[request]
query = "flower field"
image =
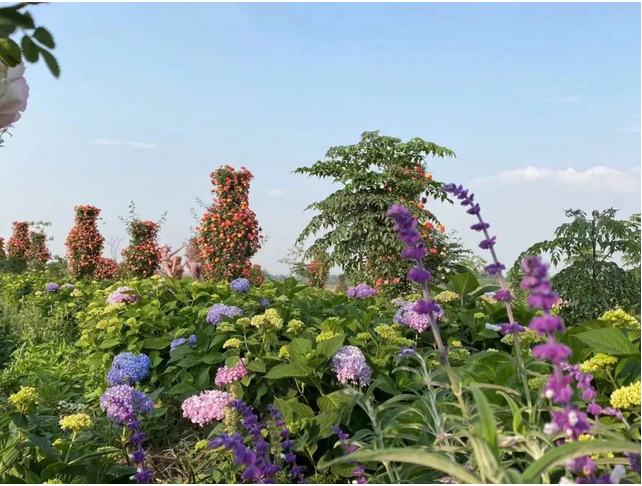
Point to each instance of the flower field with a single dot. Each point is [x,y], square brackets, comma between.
[179,380]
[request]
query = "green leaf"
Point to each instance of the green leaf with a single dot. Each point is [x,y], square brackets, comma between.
[609,341]
[182,388]
[19,19]
[331,346]
[156,343]
[412,455]
[6,27]
[486,421]
[203,379]
[563,453]
[29,49]
[109,343]
[43,36]
[43,444]
[336,400]
[51,62]
[291,370]
[299,348]
[301,409]
[257,365]
[285,409]
[464,283]
[89,455]
[325,420]
[10,53]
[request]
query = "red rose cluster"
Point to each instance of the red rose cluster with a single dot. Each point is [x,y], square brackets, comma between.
[142,256]
[84,243]
[18,245]
[229,233]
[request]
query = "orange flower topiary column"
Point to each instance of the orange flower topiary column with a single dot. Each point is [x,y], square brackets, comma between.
[18,244]
[84,243]
[229,233]
[142,256]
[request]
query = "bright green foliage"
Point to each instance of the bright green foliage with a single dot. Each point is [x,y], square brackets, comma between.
[36,41]
[374,174]
[592,281]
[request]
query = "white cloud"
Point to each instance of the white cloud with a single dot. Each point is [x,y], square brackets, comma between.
[106,141]
[600,178]
[275,193]
[141,145]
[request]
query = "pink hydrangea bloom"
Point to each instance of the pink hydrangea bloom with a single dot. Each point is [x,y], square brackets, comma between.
[118,297]
[225,375]
[206,407]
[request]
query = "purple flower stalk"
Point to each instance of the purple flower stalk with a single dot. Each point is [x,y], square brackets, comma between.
[297,472]
[405,227]
[359,471]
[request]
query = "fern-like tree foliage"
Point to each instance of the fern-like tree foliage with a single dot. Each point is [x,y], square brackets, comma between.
[590,248]
[374,174]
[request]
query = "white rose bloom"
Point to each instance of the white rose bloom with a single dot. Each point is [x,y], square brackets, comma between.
[14,92]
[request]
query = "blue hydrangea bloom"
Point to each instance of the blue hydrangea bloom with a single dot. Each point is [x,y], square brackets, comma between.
[52,287]
[192,340]
[180,341]
[240,285]
[128,369]
[264,302]
[214,315]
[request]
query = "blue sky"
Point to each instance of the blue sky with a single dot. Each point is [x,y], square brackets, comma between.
[541,103]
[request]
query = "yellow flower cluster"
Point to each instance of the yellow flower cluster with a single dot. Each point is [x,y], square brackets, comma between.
[457,356]
[269,320]
[626,396]
[446,296]
[538,382]
[325,336]
[233,343]
[295,326]
[619,318]
[284,352]
[526,338]
[24,398]
[76,422]
[363,336]
[385,331]
[201,445]
[599,362]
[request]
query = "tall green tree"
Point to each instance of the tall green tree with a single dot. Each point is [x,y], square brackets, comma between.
[591,281]
[374,174]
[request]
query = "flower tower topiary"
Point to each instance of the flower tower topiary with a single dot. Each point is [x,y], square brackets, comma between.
[84,243]
[38,254]
[229,234]
[107,269]
[18,244]
[142,256]
[3,254]
[255,275]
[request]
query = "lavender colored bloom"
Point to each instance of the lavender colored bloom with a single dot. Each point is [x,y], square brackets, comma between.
[240,285]
[52,287]
[359,471]
[558,388]
[419,275]
[571,422]
[634,462]
[127,369]
[403,352]
[122,295]
[494,268]
[503,296]
[552,351]
[584,465]
[506,329]
[121,402]
[488,243]
[547,324]
[480,226]
[475,209]
[350,365]
[217,311]
[264,302]
[414,253]
[180,341]
[297,472]
[594,409]
[407,316]
[361,291]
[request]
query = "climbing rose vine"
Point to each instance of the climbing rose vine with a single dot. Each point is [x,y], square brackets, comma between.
[229,233]
[85,243]
[142,256]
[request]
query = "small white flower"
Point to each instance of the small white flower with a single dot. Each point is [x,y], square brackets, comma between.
[493,327]
[551,428]
[14,92]
[549,394]
[565,480]
[573,418]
